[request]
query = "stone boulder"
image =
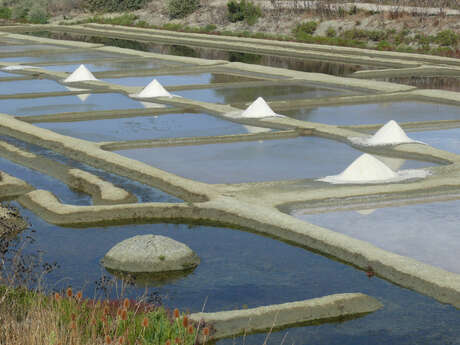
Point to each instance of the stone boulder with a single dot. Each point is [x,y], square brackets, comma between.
[150,254]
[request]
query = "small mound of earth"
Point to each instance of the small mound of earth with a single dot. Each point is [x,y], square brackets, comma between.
[150,253]
[11,221]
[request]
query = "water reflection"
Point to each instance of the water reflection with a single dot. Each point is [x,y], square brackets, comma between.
[440,83]
[305,65]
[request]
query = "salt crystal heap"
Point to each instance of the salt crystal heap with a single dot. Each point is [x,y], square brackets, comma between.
[390,134]
[259,109]
[153,89]
[80,74]
[365,169]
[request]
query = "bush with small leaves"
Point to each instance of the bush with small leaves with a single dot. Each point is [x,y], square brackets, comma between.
[37,15]
[243,10]
[182,8]
[331,32]
[447,38]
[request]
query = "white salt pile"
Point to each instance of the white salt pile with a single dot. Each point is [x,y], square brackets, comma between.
[259,109]
[364,169]
[80,74]
[17,67]
[153,89]
[83,97]
[390,134]
[368,169]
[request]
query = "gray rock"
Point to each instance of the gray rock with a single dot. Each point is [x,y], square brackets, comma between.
[150,253]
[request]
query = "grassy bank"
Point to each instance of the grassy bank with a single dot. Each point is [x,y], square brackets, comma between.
[33,318]
[444,43]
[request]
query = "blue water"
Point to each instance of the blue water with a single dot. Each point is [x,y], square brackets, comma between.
[377,113]
[250,94]
[143,192]
[447,139]
[299,158]
[29,86]
[107,66]
[147,127]
[183,79]
[61,57]
[64,104]
[240,269]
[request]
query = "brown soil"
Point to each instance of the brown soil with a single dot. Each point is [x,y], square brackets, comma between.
[283,21]
[11,222]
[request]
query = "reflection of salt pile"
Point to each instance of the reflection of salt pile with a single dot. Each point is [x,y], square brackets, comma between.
[148,105]
[80,74]
[259,109]
[17,67]
[83,97]
[390,134]
[394,163]
[366,212]
[254,130]
[154,89]
[365,168]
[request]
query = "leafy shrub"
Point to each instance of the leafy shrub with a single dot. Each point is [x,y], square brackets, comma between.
[307,28]
[20,12]
[125,19]
[173,26]
[384,45]
[5,13]
[376,35]
[243,10]
[447,38]
[209,28]
[182,8]
[113,5]
[331,32]
[37,15]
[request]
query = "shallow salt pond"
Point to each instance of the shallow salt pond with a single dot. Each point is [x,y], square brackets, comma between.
[27,47]
[432,82]
[143,192]
[255,161]
[8,75]
[60,57]
[30,86]
[109,65]
[426,232]
[446,139]
[66,104]
[376,113]
[148,127]
[249,94]
[46,182]
[240,269]
[182,79]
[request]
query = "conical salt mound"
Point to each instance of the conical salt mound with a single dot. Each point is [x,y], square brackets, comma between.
[154,89]
[391,133]
[80,74]
[258,109]
[366,168]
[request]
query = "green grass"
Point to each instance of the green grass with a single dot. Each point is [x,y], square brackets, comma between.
[70,318]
